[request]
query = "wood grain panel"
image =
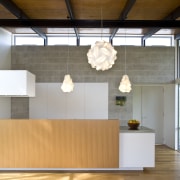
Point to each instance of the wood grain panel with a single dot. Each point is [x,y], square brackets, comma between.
[59,143]
[152,10]
[167,168]
[106,9]
[53,9]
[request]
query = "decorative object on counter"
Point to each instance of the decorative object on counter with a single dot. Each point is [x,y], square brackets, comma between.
[67,85]
[120,100]
[125,84]
[133,124]
[102,54]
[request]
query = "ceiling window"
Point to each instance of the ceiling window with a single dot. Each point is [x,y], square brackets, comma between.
[21,40]
[61,41]
[160,41]
[87,41]
[130,40]
[28,40]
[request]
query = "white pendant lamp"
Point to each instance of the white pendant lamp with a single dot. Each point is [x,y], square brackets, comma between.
[102,55]
[125,84]
[67,85]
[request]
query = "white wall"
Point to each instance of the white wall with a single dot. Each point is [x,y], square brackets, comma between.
[169,115]
[167,127]
[5,49]
[5,63]
[148,107]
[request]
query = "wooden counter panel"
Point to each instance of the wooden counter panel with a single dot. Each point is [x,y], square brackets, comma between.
[59,143]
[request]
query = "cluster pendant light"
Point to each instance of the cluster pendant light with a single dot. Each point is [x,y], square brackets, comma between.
[125,84]
[67,85]
[102,54]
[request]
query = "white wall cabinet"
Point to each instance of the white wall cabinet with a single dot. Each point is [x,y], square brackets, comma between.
[17,83]
[87,101]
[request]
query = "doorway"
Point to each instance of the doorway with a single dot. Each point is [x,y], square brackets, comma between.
[148,107]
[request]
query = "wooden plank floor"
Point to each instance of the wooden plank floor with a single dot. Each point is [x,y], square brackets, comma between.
[167,168]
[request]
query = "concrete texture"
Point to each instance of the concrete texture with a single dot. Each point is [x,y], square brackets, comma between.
[145,65]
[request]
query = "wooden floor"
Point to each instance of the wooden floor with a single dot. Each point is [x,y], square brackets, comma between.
[167,168]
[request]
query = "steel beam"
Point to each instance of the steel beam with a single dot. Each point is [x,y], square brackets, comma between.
[172,16]
[16,11]
[69,8]
[89,23]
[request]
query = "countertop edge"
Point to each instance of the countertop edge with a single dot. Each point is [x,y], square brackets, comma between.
[141,129]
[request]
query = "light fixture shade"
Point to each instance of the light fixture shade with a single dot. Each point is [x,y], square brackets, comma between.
[101,55]
[67,85]
[125,84]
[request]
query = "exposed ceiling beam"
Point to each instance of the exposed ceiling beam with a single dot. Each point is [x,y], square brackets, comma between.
[69,8]
[14,9]
[123,16]
[89,23]
[172,16]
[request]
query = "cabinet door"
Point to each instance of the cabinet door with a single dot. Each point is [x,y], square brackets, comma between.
[148,107]
[87,101]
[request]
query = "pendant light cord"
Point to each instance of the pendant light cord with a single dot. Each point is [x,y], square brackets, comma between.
[125,53]
[67,62]
[101,21]
[68,53]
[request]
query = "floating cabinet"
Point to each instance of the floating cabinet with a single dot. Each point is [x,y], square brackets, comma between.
[17,83]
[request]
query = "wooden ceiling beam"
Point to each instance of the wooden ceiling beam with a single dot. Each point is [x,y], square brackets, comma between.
[47,23]
[69,8]
[16,11]
[172,16]
[123,16]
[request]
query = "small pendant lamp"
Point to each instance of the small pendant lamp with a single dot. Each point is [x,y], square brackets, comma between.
[67,85]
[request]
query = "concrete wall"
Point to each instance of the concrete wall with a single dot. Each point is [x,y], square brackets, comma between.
[49,64]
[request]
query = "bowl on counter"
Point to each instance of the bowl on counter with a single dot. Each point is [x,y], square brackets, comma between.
[133,124]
